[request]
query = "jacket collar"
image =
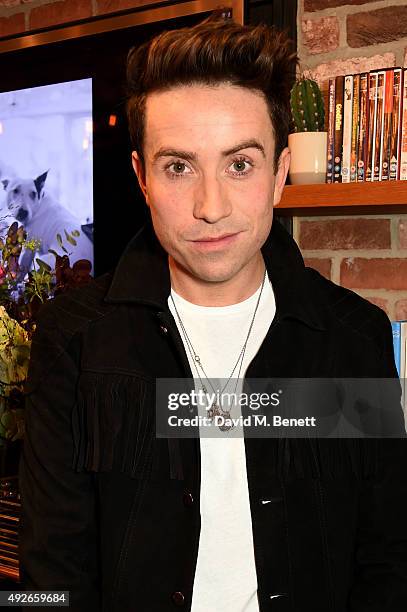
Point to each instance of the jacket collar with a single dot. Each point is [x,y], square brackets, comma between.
[142,276]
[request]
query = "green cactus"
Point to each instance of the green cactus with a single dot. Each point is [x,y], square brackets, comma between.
[307,106]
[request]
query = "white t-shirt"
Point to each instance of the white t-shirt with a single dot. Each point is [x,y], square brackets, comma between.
[225,577]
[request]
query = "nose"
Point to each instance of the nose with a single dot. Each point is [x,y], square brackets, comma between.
[21,215]
[211,204]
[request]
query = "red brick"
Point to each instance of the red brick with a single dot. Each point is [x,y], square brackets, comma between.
[12,25]
[401,310]
[326,70]
[322,35]
[59,12]
[379,26]
[323,265]
[352,233]
[110,6]
[374,273]
[402,230]
[319,5]
[8,3]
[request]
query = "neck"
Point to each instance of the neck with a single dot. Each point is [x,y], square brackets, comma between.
[218,293]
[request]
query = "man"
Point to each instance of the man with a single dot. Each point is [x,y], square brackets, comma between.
[211,288]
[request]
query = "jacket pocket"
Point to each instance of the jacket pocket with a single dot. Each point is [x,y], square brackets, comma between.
[113,423]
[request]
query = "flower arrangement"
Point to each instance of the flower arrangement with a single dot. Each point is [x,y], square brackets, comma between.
[22,294]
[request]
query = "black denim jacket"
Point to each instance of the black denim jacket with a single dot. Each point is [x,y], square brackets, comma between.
[111,513]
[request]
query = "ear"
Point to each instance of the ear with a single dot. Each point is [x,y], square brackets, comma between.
[138,169]
[5,183]
[281,176]
[39,182]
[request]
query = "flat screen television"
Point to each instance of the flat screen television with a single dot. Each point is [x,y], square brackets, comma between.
[64,140]
[46,167]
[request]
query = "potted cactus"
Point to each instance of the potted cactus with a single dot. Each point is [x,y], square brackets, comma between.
[308,143]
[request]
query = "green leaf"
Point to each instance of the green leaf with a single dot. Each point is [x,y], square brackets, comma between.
[69,238]
[43,265]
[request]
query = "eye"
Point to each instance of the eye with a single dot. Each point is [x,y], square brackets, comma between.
[178,165]
[33,195]
[238,161]
[16,190]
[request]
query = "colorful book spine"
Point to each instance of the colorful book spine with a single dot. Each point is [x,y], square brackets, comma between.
[363,126]
[371,125]
[403,153]
[355,129]
[386,132]
[396,327]
[367,127]
[403,339]
[339,91]
[347,128]
[331,131]
[396,121]
[377,152]
[403,366]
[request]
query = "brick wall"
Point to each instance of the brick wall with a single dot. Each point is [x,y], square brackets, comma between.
[366,253]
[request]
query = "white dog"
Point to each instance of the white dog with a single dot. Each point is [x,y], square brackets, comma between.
[6,219]
[43,218]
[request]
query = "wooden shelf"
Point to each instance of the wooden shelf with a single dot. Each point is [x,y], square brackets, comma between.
[380,197]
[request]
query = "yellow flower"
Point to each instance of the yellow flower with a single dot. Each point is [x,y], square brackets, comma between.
[15,347]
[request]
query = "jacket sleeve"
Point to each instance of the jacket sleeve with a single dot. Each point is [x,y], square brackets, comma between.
[380,576]
[58,526]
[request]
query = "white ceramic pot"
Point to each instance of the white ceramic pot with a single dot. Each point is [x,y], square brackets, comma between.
[308,157]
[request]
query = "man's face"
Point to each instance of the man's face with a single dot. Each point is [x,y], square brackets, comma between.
[211,208]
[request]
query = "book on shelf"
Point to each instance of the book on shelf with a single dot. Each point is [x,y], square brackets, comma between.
[386,134]
[378,148]
[399,329]
[403,152]
[330,136]
[367,126]
[347,129]
[338,131]
[396,328]
[371,124]
[396,124]
[363,120]
[355,129]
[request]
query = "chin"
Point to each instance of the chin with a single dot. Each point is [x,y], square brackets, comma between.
[212,274]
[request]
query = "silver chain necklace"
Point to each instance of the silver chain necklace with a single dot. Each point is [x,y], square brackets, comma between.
[216,409]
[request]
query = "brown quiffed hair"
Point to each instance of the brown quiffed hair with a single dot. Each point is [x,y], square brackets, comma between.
[215,51]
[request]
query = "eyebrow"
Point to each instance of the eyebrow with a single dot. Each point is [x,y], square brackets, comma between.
[251,143]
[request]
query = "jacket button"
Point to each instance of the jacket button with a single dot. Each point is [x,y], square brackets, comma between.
[164,329]
[188,499]
[178,598]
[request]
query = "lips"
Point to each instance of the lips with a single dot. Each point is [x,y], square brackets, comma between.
[216,238]
[210,243]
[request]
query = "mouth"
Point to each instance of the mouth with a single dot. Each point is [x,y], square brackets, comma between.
[210,242]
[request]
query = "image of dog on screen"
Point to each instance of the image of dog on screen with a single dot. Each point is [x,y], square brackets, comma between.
[44,218]
[6,219]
